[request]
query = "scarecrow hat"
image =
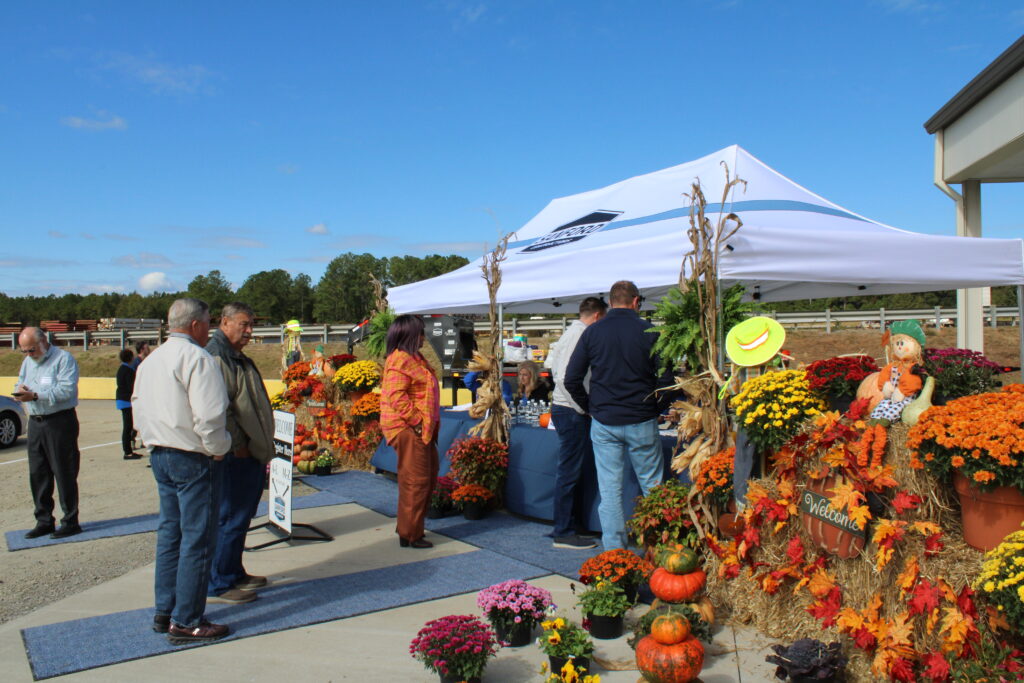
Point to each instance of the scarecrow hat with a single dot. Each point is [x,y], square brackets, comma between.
[293,326]
[911,328]
[755,341]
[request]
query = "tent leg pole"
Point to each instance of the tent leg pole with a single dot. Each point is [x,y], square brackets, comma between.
[1020,324]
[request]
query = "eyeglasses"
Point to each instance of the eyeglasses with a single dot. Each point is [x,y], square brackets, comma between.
[28,351]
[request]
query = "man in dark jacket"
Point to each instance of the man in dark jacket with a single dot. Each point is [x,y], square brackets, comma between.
[250,421]
[622,402]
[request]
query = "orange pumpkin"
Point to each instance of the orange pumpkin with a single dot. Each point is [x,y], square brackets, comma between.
[543,419]
[670,628]
[869,389]
[676,587]
[679,663]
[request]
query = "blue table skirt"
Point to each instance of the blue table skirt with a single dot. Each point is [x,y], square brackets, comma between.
[532,461]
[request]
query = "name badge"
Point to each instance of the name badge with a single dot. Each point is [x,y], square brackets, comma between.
[45,381]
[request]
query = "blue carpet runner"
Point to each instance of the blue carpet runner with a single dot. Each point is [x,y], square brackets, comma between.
[70,646]
[126,526]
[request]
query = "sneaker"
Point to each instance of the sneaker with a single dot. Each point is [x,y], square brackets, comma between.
[574,542]
[233,596]
[250,582]
[161,622]
[39,530]
[204,633]
[66,530]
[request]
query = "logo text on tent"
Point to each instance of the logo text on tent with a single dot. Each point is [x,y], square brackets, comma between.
[574,231]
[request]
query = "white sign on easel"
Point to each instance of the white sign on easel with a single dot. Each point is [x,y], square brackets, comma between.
[280,489]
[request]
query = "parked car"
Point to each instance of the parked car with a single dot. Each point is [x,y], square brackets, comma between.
[13,422]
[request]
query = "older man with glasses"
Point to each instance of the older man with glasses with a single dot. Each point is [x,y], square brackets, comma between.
[48,387]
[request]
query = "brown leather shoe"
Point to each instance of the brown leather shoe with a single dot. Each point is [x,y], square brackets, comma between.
[204,633]
[233,596]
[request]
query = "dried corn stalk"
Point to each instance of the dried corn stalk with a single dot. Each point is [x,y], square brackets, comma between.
[495,424]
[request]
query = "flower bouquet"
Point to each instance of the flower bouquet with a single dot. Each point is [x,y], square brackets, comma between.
[772,408]
[714,478]
[473,499]
[514,607]
[603,605]
[960,372]
[361,375]
[441,498]
[457,646]
[661,517]
[481,461]
[619,566]
[839,376]
[564,641]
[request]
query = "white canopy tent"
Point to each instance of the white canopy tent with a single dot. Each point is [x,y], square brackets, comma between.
[793,245]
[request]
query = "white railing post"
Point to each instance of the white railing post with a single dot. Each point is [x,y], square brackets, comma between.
[828,321]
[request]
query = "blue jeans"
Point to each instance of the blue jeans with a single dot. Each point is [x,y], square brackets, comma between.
[575,449]
[240,492]
[185,539]
[612,445]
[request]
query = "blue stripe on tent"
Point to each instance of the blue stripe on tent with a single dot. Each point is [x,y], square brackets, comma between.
[126,526]
[735,207]
[80,644]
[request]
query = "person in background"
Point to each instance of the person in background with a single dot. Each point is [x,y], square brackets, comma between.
[573,427]
[410,414]
[621,399]
[473,379]
[181,406]
[48,388]
[142,349]
[123,402]
[250,421]
[531,386]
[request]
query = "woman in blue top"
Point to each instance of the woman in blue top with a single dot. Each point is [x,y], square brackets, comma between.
[125,386]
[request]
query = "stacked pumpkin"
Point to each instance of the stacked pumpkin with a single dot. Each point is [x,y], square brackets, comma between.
[671,654]
[304,458]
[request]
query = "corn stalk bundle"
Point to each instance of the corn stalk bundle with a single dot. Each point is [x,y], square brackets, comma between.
[495,424]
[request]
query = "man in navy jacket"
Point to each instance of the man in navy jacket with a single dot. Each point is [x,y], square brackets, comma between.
[622,403]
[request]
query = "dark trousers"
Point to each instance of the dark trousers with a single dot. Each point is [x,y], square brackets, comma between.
[575,449]
[127,430]
[241,487]
[417,473]
[53,457]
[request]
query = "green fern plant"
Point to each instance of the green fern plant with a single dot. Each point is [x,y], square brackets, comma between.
[377,339]
[679,336]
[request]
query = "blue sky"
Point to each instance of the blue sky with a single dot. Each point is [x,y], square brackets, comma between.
[144,143]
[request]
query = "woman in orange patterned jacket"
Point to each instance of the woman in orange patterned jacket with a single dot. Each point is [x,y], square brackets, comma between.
[410,412]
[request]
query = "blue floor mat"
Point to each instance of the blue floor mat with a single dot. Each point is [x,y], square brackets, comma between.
[126,526]
[501,532]
[69,646]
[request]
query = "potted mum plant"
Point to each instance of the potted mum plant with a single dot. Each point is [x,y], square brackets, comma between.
[619,566]
[441,503]
[999,579]
[660,517]
[473,500]
[564,641]
[975,442]
[603,605]
[357,378]
[455,647]
[959,372]
[514,607]
[837,379]
[481,461]
[773,407]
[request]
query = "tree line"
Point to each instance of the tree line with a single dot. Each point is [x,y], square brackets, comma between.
[1001,296]
[343,295]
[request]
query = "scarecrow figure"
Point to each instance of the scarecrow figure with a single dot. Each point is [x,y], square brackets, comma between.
[900,381]
[292,351]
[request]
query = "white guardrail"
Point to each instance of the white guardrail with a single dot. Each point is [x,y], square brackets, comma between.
[827,319]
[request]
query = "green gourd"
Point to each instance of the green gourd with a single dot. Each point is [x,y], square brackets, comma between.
[912,412]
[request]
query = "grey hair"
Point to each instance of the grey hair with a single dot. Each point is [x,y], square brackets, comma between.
[183,312]
[236,307]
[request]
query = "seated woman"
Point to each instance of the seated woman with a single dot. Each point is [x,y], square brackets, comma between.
[472,379]
[532,387]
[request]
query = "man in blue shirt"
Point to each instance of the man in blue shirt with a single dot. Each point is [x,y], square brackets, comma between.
[48,387]
[622,402]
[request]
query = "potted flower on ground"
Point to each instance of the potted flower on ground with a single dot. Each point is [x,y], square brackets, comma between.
[660,517]
[808,660]
[481,461]
[473,500]
[603,606]
[565,641]
[441,503]
[324,463]
[514,607]
[1000,579]
[455,647]
[357,378]
[619,566]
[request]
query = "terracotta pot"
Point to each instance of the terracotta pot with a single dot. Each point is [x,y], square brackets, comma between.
[988,516]
[731,524]
[356,395]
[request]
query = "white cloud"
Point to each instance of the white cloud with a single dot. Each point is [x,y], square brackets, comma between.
[144,259]
[103,121]
[318,229]
[151,282]
[56,234]
[120,238]
[160,77]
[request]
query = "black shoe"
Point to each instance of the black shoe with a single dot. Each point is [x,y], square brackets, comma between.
[574,543]
[132,456]
[40,530]
[161,622]
[66,530]
[418,543]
